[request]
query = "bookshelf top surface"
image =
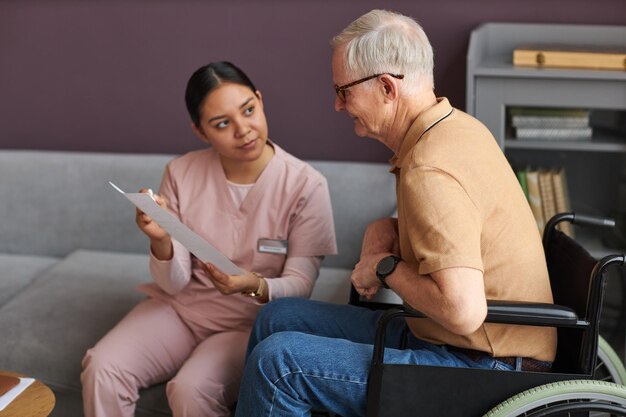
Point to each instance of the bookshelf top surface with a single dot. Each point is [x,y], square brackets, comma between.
[491,44]
[502,66]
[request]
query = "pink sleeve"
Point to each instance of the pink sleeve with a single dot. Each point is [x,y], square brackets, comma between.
[297,279]
[174,274]
[312,232]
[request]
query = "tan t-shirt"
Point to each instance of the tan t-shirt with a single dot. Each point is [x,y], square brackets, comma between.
[460,205]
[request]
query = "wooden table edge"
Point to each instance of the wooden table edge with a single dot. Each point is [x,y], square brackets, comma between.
[37,390]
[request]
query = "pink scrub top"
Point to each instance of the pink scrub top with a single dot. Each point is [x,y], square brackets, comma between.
[289,202]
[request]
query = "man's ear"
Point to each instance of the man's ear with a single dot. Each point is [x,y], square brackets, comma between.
[390,87]
[199,133]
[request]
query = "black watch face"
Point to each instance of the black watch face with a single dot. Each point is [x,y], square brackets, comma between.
[386,266]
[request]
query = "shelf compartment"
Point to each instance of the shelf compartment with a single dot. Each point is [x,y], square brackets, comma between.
[596,167]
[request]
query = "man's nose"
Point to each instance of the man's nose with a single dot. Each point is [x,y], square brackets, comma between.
[339,105]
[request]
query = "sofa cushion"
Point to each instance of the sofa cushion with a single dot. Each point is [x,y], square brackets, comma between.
[332,285]
[58,202]
[88,214]
[18,271]
[360,192]
[49,325]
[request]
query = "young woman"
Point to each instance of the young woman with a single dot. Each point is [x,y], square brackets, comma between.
[267,211]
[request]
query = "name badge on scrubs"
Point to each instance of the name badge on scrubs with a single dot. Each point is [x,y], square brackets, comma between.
[272,246]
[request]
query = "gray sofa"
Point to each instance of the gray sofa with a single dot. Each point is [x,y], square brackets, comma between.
[71,255]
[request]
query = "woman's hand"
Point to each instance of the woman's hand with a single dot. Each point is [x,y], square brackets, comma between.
[145,222]
[231,284]
[160,240]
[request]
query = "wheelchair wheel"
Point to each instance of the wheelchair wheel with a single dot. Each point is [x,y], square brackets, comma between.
[566,398]
[609,366]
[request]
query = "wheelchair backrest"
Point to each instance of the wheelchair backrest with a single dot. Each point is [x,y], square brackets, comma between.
[577,284]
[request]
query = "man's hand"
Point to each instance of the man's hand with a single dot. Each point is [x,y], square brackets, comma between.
[364,276]
[381,239]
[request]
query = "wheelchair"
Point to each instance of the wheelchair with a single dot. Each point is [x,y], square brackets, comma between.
[572,388]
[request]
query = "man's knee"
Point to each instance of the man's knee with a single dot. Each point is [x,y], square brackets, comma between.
[278,351]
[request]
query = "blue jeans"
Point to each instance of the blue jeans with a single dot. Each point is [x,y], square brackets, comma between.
[305,355]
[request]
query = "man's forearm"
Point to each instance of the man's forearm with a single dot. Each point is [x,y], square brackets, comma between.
[453,297]
[381,236]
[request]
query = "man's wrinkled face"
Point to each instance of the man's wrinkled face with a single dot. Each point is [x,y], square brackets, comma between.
[362,101]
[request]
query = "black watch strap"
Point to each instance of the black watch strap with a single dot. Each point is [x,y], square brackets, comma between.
[385,267]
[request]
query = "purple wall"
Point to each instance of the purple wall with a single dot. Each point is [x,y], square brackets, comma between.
[109,75]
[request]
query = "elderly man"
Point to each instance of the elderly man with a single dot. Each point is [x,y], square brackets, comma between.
[464,234]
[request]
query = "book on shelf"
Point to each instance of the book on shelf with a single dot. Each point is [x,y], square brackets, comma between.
[548,117]
[577,113]
[561,197]
[521,177]
[547,195]
[534,197]
[554,133]
[570,56]
[550,123]
[546,189]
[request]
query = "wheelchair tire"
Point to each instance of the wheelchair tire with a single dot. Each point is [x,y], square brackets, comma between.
[609,366]
[565,398]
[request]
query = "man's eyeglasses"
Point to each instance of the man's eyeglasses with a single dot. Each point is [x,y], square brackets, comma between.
[341,91]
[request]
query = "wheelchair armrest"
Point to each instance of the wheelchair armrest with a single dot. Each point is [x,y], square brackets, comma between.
[536,314]
[517,312]
[507,312]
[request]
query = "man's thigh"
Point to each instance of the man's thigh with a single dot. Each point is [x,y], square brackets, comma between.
[356,324]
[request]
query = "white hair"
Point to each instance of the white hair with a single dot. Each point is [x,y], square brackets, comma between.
[381,41]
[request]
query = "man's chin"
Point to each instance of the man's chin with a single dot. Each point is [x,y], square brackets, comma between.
[359,130]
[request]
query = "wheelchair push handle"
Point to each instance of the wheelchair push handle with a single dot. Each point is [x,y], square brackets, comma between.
[573,218]
[592,221]
[580,219]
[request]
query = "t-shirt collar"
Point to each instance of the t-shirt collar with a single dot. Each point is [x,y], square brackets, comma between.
[425,121]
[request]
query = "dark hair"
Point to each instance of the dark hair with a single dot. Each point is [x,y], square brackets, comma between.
[207,79]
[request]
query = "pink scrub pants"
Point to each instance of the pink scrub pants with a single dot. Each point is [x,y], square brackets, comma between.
[153,344]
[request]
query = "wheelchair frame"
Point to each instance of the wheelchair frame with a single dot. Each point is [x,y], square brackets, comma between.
[431,391]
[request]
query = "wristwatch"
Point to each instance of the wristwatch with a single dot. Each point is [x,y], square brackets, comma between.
[385,267]
[259,291]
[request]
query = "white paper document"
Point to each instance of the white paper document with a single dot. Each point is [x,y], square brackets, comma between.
[14,392]
[202,249]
